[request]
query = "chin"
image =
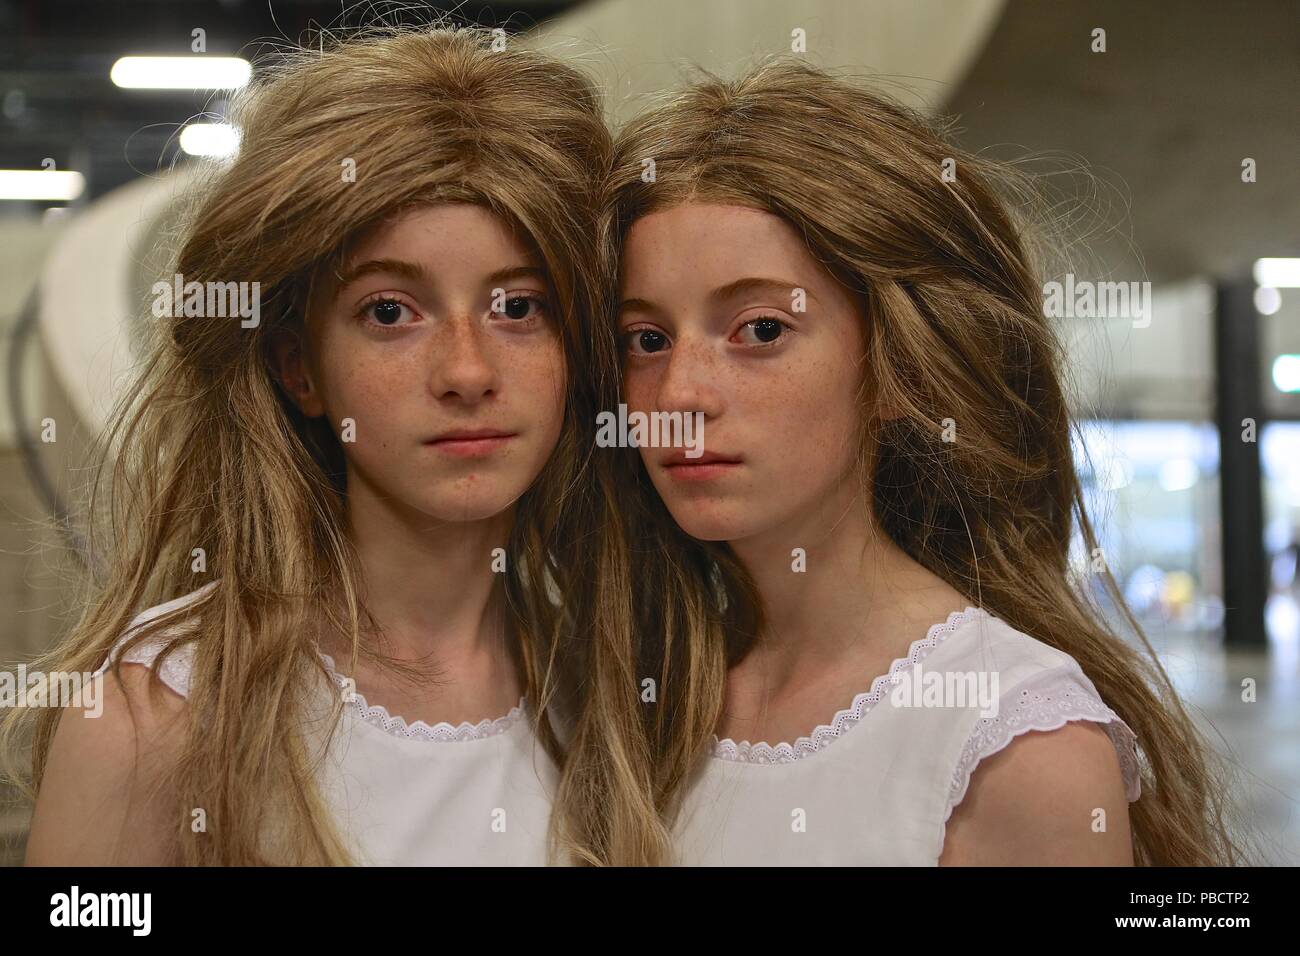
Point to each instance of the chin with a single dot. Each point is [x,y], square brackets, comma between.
[710,526]
[466,510]
[477,502]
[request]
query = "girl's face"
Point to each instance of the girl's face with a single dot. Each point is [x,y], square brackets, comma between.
[725,312]
[439,343]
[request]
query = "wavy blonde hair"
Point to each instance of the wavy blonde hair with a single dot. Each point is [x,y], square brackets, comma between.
[205,451]
[949,278]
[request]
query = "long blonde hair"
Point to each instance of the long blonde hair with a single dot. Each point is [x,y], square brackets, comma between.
[205,451]
[951,287]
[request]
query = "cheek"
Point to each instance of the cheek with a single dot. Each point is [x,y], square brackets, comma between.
[365,383]
[537,373]
[640,385]
[812,415]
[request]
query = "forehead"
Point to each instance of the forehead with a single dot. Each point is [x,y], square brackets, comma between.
[711,240]
[694,248]
[460,226]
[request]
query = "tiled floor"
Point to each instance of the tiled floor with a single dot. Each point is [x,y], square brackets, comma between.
[1259,739]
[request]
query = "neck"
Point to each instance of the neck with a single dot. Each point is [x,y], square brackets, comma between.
[429,584]
[857,586]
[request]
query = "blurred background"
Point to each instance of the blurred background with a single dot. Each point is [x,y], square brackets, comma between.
[1183,115]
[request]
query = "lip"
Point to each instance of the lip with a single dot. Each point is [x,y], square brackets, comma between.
[708,466]
[470,442]
[708,458]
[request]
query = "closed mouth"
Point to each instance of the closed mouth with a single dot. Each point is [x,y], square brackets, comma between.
[470,436]
[680,461]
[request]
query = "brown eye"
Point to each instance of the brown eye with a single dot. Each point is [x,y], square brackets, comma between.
[646,341]
[517,308]
[523,309]
[765,331]
[387,312]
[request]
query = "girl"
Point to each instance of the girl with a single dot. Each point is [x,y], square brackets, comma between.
[382,485]
[886,498]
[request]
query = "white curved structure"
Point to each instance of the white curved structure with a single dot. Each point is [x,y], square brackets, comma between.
[916,50]
[92,288]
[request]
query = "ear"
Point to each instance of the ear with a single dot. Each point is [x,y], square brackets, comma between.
[290,368]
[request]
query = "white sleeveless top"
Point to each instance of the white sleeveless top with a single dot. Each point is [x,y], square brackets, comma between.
[415,794]
[877,785]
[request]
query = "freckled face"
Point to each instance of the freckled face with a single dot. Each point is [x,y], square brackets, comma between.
[711,322]
[440,343]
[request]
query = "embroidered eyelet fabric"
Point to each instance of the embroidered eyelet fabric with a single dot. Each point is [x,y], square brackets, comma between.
[1046,701]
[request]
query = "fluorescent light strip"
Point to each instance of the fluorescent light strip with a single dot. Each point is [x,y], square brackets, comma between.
[1286,373]
[1278,273]
[41,184]
[181,72]
[210,139]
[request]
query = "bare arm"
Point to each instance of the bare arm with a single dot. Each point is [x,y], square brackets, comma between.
[103,800]
[1035,803]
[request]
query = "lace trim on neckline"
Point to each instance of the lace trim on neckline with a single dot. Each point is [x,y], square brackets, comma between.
[441,732]
[822,735]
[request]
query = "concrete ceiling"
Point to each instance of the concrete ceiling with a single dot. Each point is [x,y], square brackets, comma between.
[1163,118]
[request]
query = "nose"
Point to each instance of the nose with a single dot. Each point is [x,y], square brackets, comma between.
[690,381]
[460,365]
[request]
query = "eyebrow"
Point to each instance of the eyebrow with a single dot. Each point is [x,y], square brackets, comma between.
[637,305]
[725,292]
[418,273]
[517,272]
[399,267]
[756,284]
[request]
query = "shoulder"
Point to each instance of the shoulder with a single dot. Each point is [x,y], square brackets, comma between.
[1047,776]
[105,796]
[106,792]
[1054,798]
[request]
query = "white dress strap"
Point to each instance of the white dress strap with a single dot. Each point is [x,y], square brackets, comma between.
[175,669]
